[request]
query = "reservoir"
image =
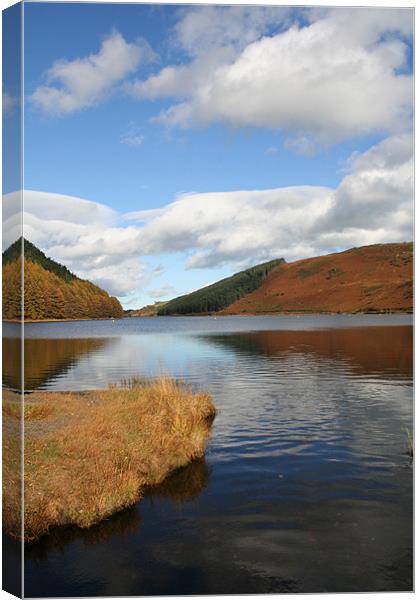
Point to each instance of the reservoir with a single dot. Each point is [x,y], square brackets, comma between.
[306,485]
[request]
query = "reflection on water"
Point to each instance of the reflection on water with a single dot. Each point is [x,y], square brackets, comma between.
[183,485]
[119,526]
[44,359]
[362,350]
[306,485]
[89,363]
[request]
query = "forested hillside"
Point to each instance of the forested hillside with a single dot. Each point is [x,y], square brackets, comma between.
[35,255]
[51,290]
[221,294]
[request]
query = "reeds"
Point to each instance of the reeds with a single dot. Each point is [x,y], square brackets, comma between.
[90,454]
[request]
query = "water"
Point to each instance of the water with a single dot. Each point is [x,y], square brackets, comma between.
[305,487]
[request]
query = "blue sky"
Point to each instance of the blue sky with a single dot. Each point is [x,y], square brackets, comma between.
[250,130]
[166,163]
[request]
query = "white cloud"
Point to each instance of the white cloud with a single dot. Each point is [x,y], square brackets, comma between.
[377,193]
[120,279]
[305,145]
[163,293]
[372,204]
[81,234]
[132,137]
[338,77]
[81,83]
[201,29]
[180,81]
[234,227]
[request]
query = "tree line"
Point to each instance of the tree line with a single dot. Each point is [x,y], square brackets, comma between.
[51,293]
[35,255]
[217,296]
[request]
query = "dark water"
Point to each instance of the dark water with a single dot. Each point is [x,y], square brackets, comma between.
[306,486]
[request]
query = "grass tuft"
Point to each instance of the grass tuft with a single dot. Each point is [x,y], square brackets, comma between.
[91,454]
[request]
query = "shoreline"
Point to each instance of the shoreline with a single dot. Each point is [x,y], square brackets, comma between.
[220,315]
[280,314]
[82,319]
[90,454]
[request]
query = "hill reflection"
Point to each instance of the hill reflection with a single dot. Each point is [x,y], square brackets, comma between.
[387,351]
[45,359]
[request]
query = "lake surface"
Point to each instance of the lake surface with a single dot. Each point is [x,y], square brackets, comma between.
[305,487]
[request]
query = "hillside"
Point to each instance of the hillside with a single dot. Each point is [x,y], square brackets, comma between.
[151,310]
[376,278]
[220,295]
[51,290]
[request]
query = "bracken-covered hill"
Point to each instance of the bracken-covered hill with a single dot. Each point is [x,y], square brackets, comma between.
[51,290]
[376,278]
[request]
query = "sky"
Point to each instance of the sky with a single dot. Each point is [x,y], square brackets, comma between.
[168,146]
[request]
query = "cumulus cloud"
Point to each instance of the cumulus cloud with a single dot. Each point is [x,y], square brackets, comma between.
[378,190]
[81,234]
[372,204]
[201,29]
[234,227]
[120,279]
[180,81]
[81,83]
[339,74]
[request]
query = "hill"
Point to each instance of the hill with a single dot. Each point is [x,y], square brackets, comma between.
[51,290]
[151,310]
[376,278]
[217,296]
[33,254]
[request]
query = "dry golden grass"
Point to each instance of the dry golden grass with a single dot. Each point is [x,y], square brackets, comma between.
[90,454]
[31,410]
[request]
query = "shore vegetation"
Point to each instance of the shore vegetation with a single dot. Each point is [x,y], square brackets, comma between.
[90,454]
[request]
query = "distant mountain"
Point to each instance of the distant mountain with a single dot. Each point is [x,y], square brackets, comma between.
[51,290]
[151,310]
[217,296]
[376,278]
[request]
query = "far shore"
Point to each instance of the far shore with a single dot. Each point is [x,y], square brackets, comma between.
[90,454]
[279,314]
[290,313]
[61,320]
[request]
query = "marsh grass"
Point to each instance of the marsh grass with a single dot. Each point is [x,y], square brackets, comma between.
[90,454]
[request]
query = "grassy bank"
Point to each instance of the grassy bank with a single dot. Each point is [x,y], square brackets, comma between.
[90,454]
